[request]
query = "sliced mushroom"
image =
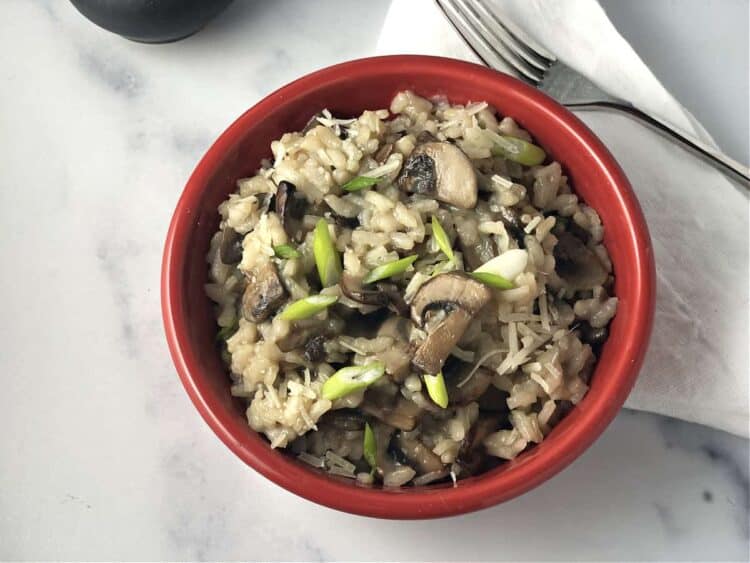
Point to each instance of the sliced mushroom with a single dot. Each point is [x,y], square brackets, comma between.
[290,209]
[315,348]
[470,391]
[383,153]
[344,419]
[457,298]
[230,247]
[449,291]
[471,454]
[591,335]
[383,294]
[418,455]
[391,470]
[432,353]
[401,414]
[397,358]
[576,264]
[304,331]
[264,293]
[443,171]
[494,400]
[511,218]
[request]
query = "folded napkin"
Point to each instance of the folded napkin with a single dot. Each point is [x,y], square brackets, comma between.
[697,364]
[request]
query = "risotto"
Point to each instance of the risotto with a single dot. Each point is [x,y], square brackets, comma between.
[409,296]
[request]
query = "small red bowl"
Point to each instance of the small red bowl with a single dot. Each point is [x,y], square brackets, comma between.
[348,89]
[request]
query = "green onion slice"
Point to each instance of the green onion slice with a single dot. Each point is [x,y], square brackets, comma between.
[492,280]
[389,269]
[327,258]
[286,251]
[436,389]
[441,238]
[370,447]
[518,150]
[350,379]
[307,307]
[359,183]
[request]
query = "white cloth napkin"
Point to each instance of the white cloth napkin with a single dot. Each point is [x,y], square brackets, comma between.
[697,365]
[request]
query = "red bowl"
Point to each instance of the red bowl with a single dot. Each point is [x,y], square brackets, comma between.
[348,89]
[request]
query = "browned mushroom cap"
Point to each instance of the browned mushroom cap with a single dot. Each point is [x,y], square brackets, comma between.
[576,264]
[419,456]
[449,291]
[472,389]
[397,358]
[264,293]
[230,247]
[459,297]
[382,295]
[443,171]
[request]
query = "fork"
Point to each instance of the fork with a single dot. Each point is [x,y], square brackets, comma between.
[503,46]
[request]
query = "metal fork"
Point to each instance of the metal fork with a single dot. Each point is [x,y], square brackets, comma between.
[501,45]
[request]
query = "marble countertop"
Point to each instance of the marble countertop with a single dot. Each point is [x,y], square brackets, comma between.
[103,455]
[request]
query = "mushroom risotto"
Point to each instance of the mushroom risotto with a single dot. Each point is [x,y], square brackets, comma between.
[411,295]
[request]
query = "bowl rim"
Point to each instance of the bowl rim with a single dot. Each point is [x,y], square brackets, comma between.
[424,503]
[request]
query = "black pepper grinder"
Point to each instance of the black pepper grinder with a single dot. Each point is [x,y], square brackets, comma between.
[151,21]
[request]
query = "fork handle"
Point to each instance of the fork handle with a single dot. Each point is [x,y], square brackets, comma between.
[717,159]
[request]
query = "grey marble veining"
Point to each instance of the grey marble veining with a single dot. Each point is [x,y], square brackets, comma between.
[104,457]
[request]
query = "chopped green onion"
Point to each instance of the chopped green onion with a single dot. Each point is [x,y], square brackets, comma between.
[493,280]
[389,269]
[286,251]
[370,448]
[436,389]
[350,379]
[226,332]
[327,257]
[508,265]
[307,307]
[359,183]
[518,150]
[441,238]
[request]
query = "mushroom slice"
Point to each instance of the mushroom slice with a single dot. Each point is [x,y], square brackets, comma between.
[472,389]
[230,247]
[315,348]
[471,454]
[402,414]
[264,293]
[397,358]
[577,265]
[289,208]
[457,298]
[435,349]
[418,455]
[382,295]
[511,218]
[449,291]
[441,170]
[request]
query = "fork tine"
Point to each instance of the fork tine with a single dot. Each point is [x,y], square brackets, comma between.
[522,38]
[474,40]
[496,43]
[485,44]
[519,48]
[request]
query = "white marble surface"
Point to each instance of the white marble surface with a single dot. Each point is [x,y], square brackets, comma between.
[102,456]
